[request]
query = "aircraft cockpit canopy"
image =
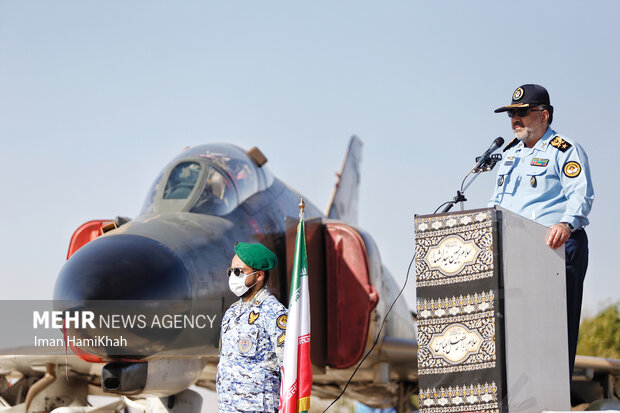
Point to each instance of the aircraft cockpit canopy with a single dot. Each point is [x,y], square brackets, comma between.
[209,179]
[182,180]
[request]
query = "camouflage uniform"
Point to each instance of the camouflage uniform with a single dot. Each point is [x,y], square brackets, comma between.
[248,374]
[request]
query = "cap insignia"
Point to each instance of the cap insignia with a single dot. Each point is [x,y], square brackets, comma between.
[518,94]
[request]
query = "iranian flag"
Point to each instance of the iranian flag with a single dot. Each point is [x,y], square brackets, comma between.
[296,383]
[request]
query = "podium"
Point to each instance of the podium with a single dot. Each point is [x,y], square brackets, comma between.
[491,304]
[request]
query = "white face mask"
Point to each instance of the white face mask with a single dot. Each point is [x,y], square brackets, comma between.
[237,283]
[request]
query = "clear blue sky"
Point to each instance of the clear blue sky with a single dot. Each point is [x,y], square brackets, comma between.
[97,96]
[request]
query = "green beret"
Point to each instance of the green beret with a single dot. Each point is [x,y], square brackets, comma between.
[256,256]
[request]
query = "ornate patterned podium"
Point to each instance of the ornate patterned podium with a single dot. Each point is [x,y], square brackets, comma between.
[491,314]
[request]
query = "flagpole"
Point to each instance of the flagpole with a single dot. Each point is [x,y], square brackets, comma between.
[296,379]
[301,206]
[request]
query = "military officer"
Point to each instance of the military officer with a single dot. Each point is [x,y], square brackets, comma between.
[252,336]
[545,177]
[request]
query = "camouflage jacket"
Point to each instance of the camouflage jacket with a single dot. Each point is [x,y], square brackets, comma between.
[252,349]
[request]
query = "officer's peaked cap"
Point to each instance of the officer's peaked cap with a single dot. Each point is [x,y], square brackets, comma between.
[528,96]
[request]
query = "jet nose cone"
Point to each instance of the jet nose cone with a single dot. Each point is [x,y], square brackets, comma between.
[125,281]
[123,267]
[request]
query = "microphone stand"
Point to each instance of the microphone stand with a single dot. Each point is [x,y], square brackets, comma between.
[487,165]
[460,195]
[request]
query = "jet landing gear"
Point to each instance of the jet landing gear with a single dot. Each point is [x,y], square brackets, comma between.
[188,401]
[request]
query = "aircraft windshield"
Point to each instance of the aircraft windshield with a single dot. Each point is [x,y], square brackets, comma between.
[218,196]
[182,180]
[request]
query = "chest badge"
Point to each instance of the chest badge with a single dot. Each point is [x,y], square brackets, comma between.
[539,162]
[281,322]
[533,181]
[501,181]
[253,317]
[572,169]
[244,344]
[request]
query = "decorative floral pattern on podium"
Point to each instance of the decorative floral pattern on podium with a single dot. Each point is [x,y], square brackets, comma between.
[456,334]
[472,398]
[453,248]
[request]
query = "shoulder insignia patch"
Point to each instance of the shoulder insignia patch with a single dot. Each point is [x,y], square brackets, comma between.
[572,169]
[281,322]
[253,317]
[512,143]
[560,144]
[281,338]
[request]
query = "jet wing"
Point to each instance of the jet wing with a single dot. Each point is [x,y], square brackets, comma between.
[595,378]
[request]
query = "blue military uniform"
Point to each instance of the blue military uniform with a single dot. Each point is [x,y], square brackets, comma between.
[248,374]
[550,183]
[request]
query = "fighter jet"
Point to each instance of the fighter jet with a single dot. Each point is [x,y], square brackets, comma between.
[174,255]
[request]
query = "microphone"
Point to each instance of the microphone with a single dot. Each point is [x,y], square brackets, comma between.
[497,143]
[487,161]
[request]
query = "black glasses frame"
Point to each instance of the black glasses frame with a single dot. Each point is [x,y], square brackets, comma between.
[237,271]
[522,112]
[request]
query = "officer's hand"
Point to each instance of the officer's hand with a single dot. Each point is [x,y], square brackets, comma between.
[558,235]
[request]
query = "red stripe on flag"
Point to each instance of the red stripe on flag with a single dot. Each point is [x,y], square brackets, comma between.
[289,402]
[304,367]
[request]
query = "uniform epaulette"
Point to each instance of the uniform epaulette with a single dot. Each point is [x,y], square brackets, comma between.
[512,143]
[560,144]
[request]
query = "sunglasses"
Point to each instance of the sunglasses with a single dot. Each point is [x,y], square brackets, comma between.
[522,112]
[238,271]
